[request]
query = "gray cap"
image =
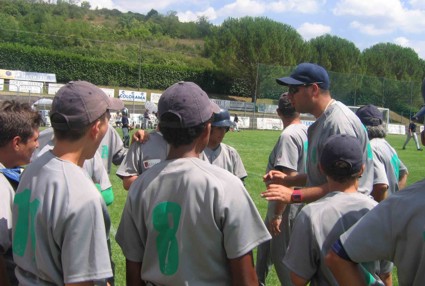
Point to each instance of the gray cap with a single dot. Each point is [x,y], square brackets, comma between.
[80,103]
[188,102]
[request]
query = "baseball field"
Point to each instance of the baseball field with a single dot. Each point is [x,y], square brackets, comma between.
[254,147]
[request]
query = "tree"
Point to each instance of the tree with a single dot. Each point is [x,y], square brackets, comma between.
[336,54]
[342,59]
[238,46]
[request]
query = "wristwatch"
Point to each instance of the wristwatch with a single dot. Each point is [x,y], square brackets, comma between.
[296,196]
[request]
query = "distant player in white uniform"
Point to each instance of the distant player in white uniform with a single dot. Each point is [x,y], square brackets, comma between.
[309,93]
[390,174]
[187,222]
[220,154]
[141,157]
[321,222]
[18,139]
[60,221]
[288,156]
[94,166]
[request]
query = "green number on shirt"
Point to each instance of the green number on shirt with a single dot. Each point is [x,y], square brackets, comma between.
[105,151]
[25,222]
[166,218]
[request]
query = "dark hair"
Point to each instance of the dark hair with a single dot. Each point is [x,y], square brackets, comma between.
[376,132]
[285,106]
[17,119]
[342,178]
[72,134]
[179,136]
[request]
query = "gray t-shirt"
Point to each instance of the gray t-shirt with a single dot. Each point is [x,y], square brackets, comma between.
[394,230]
[112,149]
[184,219]
[7,193]
[387,166]
[141,157]
[337,119]
[60,225]
[317,227]
[226,157]
[94,166]
[290,150]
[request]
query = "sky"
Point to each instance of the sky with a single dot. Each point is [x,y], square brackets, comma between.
[362,22]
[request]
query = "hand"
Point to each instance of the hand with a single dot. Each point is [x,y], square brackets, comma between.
[277,192]
[274,225]
[274,177]
[140,136]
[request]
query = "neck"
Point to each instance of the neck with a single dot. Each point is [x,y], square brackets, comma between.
[185,151]
[289,121]
[7,159]
[323,103]
[74,152]
[347,187]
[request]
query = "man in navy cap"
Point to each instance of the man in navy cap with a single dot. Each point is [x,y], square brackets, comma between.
[309,93]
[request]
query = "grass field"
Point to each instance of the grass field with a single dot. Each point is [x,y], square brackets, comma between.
[254,147]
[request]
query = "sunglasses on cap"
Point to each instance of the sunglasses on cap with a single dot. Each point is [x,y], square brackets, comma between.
[293,89]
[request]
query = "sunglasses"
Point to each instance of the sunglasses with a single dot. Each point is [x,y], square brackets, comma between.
[225,128]
[293,89]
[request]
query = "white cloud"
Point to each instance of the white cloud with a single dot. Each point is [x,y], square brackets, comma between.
[311,30]
[378,17]
[370,29]
[242,8]
[417,4]
[302,6]
[190,16]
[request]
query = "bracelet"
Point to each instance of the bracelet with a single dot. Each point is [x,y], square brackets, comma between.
[276,216]
[296,196]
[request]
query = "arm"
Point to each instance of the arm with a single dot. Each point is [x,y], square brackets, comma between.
[379,192]
[402,180]
[297,280]
[242,270]
[133,277]
[345,272]
[278,207]
[277,177]
[283,194]
[127,181]
[140,136]
[387,278]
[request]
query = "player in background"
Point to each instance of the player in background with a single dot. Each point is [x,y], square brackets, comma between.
[309,93]
[57,210]
[220,154]
[18,139]
[188,222]
[142,156]
[390,174]
[125,127]
[320,223]
[411,132]
[289,157]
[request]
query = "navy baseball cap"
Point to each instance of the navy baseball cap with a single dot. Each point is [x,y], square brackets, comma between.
[307,73]
[342,155]
[188,102]
[222,119]
[78,104]
[370,115]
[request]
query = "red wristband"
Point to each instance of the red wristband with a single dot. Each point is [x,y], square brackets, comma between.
[296,196]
